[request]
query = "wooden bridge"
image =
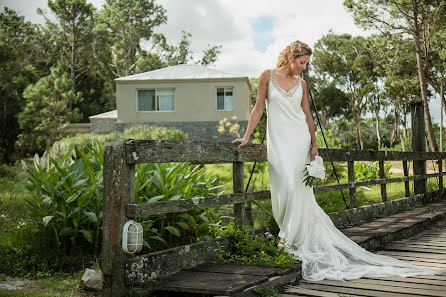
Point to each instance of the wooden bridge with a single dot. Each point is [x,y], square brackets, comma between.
[191,269]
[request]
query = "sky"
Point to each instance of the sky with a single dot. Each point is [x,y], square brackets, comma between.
[251,33]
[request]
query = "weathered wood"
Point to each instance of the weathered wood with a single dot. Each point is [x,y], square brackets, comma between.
[351,179]
[154,151]
[440,178]
[382,175]
[118,192]
[406,183]
[147,269]
[180,205]
[238,187]
[418,145]
[375,182]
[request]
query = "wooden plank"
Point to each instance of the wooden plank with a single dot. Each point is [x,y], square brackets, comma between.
[241,269]
[370,287]
[376,292]
[406,183]
[382,175]
[433,249]
[150,267]
[296,291]
[418,257]
[413,249]
[412,280]
[180,205]
[352,185]
[384,282]
[440,178]
[351,179]
[411,254]
[210,282]
[238,187]
[151,151]
[119,191]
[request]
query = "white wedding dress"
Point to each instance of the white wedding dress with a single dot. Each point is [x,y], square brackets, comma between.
[325,252]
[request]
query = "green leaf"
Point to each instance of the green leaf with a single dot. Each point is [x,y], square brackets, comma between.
[47,219]
[183,225]
[173,230]
[87,235]
[156,198]
[156,237]
[67,231]
[91,216]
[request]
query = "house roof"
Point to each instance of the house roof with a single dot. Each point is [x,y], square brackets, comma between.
[106,115]
[183,71]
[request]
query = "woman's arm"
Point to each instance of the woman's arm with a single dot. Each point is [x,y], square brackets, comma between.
[257,110]
[309,119]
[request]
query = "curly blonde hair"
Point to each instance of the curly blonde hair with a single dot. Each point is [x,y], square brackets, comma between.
[296,48]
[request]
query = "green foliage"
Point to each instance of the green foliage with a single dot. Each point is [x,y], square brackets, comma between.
[45,117]
[173,181]
[139,132]
[249,249]
[66,198]
[368,171]
[267,292]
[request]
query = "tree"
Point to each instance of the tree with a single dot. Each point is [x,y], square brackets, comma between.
[182,53]
[332,102]
[46,115]
[346,61]
[16,72]
[419,19]
[75,20]
[127,23]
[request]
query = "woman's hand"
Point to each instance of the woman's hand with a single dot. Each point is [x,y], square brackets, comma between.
[313,152]
[243,141]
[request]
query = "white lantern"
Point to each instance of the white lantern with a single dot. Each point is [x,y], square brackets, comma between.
[132,237]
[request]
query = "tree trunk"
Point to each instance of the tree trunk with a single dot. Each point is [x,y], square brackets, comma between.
[358,128]
[420,66]
[395,129]
[378,135]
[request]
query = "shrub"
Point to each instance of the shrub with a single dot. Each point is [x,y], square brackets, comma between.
[249,249]
[368,171]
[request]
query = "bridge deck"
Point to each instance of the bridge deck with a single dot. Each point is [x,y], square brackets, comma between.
[426,249]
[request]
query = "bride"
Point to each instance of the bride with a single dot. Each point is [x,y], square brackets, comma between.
[306,231]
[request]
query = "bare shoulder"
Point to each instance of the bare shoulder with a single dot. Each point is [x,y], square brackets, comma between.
[264,77]
[304,84]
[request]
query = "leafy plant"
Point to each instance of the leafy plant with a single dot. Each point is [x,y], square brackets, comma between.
[66,197]
[249,249]
[172,181]
[368,171]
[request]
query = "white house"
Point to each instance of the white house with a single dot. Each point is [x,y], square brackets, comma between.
[193,98]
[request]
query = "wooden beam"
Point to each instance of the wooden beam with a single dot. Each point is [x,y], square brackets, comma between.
[406,183]
[351,179]
[119,191]
[159,151]
[238,187]
[382,175]
[180,205]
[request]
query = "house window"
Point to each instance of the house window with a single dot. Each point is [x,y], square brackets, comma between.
[225,99]
[156,100]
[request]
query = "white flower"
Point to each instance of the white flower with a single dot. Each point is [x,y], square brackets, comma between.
[316,168]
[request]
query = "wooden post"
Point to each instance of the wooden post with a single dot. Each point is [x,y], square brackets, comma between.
[418,145]
[440,170]
[238,187]
[118,192]
[382,174]
[406,183]
[351,178]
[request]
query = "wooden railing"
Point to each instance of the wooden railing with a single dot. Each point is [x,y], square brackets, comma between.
[120,157]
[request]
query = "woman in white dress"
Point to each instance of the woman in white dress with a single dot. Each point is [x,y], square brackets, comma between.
[306,231]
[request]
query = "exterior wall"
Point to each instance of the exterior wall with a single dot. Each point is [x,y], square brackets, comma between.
[195,101]
[197,131]
[102,126]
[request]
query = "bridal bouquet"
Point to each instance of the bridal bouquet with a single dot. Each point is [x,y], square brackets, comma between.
[314,170]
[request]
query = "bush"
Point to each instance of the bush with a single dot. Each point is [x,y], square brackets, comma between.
[368,171]
[249,249]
